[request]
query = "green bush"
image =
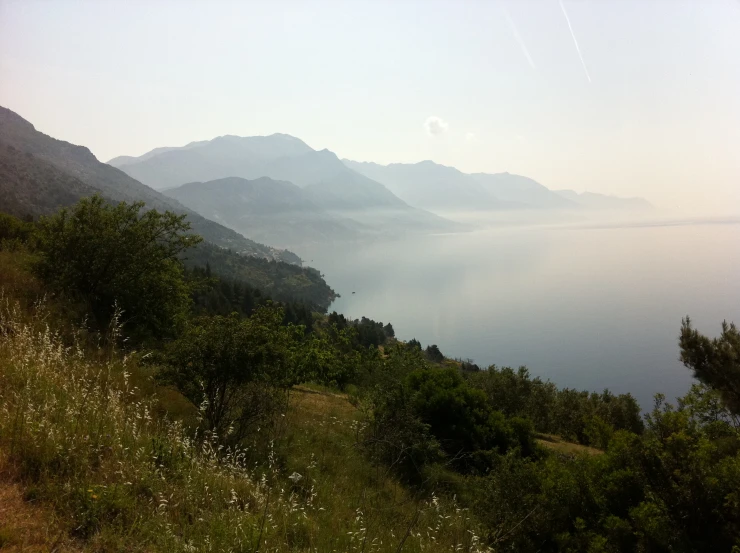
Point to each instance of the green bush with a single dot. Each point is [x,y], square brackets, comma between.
[14,233]
[235,369]
[715,362]
[118,258]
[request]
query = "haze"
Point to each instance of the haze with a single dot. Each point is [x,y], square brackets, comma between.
[626,98]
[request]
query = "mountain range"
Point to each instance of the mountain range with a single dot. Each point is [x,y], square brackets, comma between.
[39,174]
[276,189]
[356,190]
[310,195]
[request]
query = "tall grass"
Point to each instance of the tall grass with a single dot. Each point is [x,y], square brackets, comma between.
[90,444]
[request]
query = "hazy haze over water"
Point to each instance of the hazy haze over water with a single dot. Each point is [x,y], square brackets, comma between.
[586,307]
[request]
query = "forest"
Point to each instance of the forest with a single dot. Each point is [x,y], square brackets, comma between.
[156,397]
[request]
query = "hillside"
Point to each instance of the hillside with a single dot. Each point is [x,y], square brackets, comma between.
[266,209]
[285,282]
[81,166]
[31,186]
[327,181]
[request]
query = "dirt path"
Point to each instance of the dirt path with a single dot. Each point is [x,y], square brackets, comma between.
[25,526]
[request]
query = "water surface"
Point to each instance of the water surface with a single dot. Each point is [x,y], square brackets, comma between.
[590,308]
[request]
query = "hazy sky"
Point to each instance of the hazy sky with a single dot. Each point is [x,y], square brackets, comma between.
[623,97]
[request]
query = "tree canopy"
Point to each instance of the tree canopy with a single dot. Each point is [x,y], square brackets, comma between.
[118,257]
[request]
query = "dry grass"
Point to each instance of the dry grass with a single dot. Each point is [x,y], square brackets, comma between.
[557,444]
[24,525]
[120,477]
[319,402]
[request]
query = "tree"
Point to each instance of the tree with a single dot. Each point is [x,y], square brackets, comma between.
[460,416]
[715,362]
[413,344]
[116,256]
[235,369]
[434,354]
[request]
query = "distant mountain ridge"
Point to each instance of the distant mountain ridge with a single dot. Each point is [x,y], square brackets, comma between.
[362,204]
[224,156]
[523,191]
[441,188]
[276,211]
[429,185]
[346,185]
[592,200]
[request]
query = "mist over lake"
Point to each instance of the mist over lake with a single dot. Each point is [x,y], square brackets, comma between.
[584,306]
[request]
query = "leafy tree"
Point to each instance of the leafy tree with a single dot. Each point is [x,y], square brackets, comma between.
[235,368]
[395,435]
[414,344]
[459,416]
[368,333]
[329,357]
[110,256]
[715,362]
[14,232]
[434,354]
[216,295]
[567,412]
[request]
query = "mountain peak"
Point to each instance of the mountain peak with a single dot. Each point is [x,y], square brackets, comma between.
[326,152]
[284,136]
[9,116]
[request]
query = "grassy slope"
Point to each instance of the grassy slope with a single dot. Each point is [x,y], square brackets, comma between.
[84,435]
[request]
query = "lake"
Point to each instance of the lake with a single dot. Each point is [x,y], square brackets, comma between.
[584,306]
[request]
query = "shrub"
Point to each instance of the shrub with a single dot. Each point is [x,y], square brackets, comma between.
[13,232]
[110,256]
[234,369]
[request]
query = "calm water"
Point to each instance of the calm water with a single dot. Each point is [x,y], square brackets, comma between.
[585,307]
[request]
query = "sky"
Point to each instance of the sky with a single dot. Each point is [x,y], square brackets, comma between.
[633,98]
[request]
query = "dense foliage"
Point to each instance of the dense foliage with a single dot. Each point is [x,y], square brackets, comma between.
[235,368]
[283,282]
[118,258]
[13,232]
[715,362]
[367,332]
[217,295]
[675,488]
[584,417]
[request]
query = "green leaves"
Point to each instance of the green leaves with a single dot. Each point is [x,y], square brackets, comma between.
[234,369]
[715,362]
[116,256]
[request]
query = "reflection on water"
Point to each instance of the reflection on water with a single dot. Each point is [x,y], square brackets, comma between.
[585,307]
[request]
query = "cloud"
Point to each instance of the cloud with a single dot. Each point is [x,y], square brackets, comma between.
[435,125]
[470,136]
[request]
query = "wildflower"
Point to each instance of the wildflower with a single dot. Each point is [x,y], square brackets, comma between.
[295,477]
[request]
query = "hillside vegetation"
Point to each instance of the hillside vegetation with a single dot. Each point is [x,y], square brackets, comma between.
[169,425]
[66,172]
